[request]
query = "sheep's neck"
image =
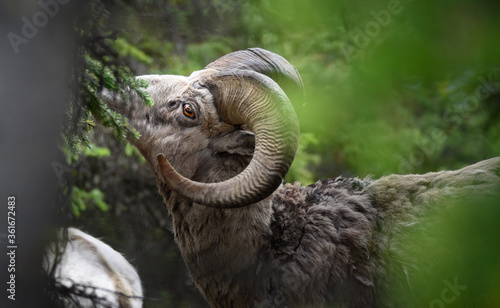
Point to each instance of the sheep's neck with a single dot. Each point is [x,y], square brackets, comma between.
[220,246]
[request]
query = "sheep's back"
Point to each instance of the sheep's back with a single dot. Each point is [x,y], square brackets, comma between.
[321,239]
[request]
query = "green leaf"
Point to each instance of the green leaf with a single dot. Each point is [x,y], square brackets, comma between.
[125,49]
[98,197]
[80,199]
[95,151]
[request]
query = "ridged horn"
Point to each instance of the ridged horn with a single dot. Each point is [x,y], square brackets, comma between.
[245,96]
[264,62]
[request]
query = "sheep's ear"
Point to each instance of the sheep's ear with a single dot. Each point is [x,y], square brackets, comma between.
[240,142]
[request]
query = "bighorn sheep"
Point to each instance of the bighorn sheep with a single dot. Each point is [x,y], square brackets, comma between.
[89,273]
[220,142]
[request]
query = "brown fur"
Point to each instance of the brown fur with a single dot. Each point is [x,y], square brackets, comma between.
[328,243]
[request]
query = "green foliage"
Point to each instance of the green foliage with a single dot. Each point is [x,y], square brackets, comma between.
[81,200]
[95,151]
[203,53]
[126,49]
[99,67]
[386,90]
[98,75]
[130,151]
[470,278]
[300,169]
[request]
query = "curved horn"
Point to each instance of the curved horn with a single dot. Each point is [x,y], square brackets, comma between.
[246,97]
[261,61]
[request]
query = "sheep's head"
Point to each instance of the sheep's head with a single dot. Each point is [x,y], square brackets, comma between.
[201,123]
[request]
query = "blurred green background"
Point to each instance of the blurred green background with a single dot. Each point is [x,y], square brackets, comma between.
[391,87]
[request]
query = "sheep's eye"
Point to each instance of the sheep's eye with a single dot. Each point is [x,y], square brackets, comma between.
[188,111]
